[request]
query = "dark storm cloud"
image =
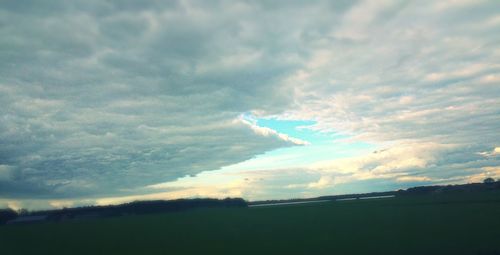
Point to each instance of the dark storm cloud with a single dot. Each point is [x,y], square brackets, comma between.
[100,98]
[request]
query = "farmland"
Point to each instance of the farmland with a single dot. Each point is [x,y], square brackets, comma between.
[466,223]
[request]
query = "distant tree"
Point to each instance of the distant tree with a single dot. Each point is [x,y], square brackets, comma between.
[22,211]
[489,180]
[6,215]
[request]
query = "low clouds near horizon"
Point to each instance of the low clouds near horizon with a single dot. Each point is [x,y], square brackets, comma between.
[103,99]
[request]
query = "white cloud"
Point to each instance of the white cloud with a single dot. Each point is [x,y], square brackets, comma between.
[488,172]
[264,131]
[413,179]
[61,204]
[493,153]
[394,162]
[324,181]
[411,77]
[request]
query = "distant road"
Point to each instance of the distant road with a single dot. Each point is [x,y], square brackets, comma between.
[290,203]
[319,201]
[376,197]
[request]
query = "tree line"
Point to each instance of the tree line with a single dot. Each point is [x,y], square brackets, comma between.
[132,208]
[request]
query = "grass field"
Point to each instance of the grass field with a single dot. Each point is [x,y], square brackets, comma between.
[445,224]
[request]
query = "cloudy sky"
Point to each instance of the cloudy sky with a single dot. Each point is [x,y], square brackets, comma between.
[111,101]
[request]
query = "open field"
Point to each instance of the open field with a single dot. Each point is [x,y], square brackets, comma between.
[466,223]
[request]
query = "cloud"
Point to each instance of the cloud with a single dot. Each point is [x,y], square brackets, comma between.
[488,172]
[411,77]
[493,153]
[323,182]
[264,131]
[413,179]
[104,99]
[407,164]
[5,172]
[393,73]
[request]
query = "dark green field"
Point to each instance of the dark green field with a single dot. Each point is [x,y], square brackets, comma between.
[444,224]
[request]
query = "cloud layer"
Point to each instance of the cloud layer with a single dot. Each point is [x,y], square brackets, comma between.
[104,99]
[101,99]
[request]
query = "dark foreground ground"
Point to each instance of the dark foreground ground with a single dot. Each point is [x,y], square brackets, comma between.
[431,224]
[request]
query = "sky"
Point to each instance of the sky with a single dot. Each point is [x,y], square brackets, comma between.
[104,102]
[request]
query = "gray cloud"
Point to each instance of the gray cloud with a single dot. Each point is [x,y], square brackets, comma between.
[413,72]
[426,71]
[103,99]
[100,98]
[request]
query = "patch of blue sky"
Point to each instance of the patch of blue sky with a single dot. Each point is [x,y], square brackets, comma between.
[303,130]
[300,129]
[323,146]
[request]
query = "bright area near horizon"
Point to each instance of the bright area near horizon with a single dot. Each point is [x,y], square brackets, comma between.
[113,102]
